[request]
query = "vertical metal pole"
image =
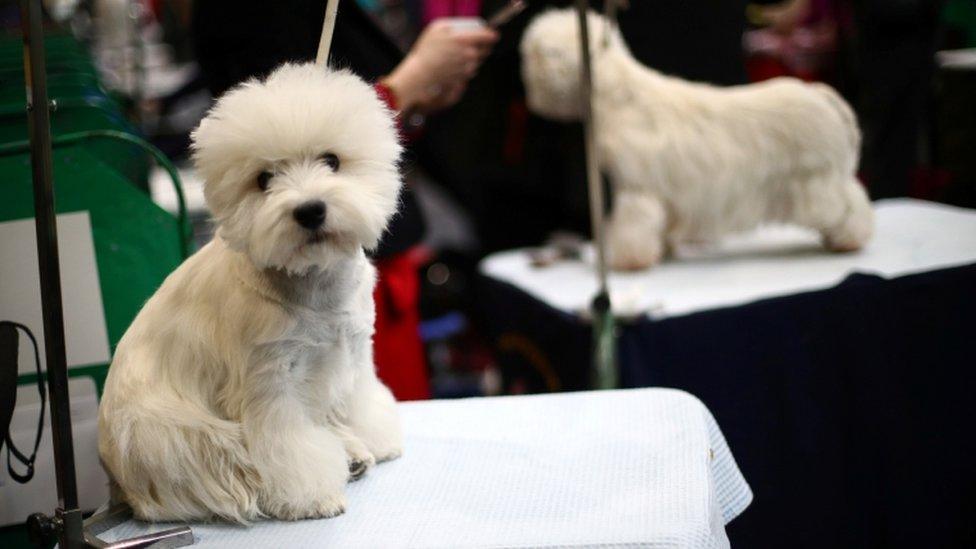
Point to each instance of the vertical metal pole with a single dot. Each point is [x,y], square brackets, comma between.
[604,342]
[39,131]
[328,26]
[138,50]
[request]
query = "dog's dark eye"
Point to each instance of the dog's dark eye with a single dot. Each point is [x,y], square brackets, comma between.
[331,160]
[263,179]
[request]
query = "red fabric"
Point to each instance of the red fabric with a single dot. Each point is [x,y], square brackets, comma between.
[386,94]
[764,67]
[513,148]
[407,134]
[397,349]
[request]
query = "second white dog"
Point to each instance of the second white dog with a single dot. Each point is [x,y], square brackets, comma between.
[245,387]
[692,162]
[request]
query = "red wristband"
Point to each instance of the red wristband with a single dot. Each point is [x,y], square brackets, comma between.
[386,94]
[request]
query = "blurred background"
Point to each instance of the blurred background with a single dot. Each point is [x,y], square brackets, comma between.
[488,176]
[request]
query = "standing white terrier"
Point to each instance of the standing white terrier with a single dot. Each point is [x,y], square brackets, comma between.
[692,162]
[245,387]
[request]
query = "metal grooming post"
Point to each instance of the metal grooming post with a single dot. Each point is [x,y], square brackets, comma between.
[604,340]
[67,517]
[328,26]
[67,522]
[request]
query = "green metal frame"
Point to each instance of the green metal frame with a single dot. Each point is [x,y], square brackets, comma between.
[182,218]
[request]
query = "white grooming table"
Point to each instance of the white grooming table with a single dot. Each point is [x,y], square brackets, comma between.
[819,366]
[911,236]
[637,468]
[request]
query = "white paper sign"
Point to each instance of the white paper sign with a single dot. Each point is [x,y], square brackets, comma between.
[17,501]
[86,338]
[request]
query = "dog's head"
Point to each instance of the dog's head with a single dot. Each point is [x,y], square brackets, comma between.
[550,52]
[300,168]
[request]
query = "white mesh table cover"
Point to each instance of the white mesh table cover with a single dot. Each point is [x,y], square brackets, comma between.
[630,468]
[911,236]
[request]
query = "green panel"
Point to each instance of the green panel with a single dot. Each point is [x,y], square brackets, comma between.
[962,14]
[66,85]
[55,43]
[58,69]
[15,537]
[83,104]
[136,243]
[125,158]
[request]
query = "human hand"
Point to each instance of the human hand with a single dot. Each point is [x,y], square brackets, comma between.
[436,72]
[785,16]
[442,97]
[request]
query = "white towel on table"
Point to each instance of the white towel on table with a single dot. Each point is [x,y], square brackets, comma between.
[641,468]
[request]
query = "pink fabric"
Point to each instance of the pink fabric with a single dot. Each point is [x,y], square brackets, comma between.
[434,9]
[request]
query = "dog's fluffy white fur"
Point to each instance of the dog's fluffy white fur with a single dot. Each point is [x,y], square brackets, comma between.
[691,162]
[245,388]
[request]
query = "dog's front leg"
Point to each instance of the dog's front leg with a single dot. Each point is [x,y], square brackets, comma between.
[302,465]
[358,456]
[373,418]
[372,414]
[635,231]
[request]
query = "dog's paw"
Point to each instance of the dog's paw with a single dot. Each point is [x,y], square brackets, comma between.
[627,253]
[389,455]
[629,264]
[358,465]
[842,246]
[633,259]
[856,224]
[318,508]
[358,457]
[851,235]
[357,469]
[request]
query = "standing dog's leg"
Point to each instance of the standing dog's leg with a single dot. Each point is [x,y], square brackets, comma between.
[635,230]
[839,209]
[302,464]
[856,225]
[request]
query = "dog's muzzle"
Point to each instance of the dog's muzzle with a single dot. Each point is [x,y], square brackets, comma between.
[310,215]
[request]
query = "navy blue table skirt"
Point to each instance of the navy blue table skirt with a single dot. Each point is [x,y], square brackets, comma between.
[850,410]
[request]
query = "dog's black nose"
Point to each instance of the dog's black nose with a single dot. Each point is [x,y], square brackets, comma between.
[310,215]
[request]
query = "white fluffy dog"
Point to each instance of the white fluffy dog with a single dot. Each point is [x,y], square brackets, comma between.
[691,162]
[245,388]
